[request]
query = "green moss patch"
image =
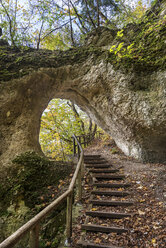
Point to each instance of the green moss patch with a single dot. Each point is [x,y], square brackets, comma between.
[141,48]
[16,63]
[31,174]
[30,185]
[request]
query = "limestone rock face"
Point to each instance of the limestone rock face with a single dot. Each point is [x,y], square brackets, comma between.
[129,104]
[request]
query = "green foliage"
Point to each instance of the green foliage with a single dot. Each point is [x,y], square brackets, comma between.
[114,150]
[14,22]
[120,51]
[57,41]
[120,33]
[58,123]
[59,24]
[143,49]
[45,23]
[131,12]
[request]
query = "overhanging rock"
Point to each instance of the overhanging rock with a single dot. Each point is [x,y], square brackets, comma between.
[125,95]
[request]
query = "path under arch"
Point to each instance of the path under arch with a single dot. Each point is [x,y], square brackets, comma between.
[128,104]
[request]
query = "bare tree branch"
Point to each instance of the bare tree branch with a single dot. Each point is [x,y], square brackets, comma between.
[55,30]
[40,32]
[10,23]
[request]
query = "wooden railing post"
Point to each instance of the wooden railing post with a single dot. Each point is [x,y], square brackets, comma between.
[82,168]
[34,237]
[74,147]
[69,220]
[79,139]
[88,138]
[84,141]
[79,186]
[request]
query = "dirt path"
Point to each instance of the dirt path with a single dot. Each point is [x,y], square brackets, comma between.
[148,223]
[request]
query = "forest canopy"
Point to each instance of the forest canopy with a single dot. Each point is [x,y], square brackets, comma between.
[63,24]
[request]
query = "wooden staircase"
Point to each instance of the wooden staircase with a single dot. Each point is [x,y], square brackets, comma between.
[107,182]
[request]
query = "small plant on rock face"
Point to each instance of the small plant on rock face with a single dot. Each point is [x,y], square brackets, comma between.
[114,150]
[142,48]
[121,51]
[120,33]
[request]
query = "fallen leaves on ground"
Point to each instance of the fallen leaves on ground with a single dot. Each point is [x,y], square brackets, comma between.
[147,226]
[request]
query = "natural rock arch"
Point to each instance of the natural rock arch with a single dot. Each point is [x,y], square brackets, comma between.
[130,105]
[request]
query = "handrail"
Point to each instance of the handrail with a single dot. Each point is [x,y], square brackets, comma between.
[32,225]
[78,165]
[85,140]
[23,230]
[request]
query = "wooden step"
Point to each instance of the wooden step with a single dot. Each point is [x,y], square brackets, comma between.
[107,214]
[104,229]
[98,166]
[112,185]
[85,244]
[94,159]
[110,193]
[111,203]
[109,176]
[103,170]
[92,156]
[95,162]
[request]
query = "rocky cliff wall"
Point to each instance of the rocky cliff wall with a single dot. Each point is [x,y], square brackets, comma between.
[122,88]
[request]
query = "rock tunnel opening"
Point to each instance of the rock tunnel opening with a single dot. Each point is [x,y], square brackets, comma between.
[60,120]
[130,118]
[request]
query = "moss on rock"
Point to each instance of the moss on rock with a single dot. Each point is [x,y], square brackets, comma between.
[147,53]
[21,189]
[16,63]
[141,48]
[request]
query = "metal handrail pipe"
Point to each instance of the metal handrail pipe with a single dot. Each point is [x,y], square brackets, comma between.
[16,236]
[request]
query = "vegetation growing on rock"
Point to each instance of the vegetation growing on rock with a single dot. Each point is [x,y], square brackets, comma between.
[32,172]
[22,190]
[137,47]
[141,47]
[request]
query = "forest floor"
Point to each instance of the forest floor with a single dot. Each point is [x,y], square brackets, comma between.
[148,192]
